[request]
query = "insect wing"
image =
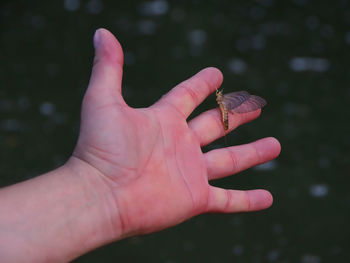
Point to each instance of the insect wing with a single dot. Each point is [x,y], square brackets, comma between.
[234,99]
[251,104]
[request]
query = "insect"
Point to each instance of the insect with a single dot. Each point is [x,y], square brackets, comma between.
[237,102]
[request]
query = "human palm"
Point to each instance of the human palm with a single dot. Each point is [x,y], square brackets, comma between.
[151,158]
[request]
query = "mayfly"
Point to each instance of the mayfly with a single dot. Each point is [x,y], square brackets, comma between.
[237,102]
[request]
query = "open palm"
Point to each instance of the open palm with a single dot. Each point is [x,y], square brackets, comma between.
[151,158]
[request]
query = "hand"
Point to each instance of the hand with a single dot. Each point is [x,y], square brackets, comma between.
[151,158]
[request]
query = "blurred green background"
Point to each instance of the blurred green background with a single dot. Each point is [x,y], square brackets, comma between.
[293,53]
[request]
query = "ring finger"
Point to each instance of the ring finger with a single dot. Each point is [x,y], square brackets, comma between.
[231,160]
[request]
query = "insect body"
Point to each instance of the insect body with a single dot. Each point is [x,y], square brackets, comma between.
[237,102]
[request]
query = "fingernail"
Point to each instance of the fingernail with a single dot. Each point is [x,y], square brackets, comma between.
[97,38]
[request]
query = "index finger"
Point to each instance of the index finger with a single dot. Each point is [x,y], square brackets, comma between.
[187,95]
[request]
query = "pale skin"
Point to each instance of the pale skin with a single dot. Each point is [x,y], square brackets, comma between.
[133,171]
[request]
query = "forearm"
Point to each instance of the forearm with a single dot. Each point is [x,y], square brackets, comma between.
[55,217]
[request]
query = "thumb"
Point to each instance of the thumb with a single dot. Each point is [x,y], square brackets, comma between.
[107,72]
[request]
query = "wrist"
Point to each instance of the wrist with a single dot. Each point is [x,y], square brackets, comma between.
[102,219]
[57,216]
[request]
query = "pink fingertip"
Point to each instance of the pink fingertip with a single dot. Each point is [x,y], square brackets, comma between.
[276,143]
[214,77]
[259,199]
[269,147]
[97,38]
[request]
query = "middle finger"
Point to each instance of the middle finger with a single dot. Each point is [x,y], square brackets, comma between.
[208,126]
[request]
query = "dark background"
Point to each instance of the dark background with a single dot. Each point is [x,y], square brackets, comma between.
[293,53]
